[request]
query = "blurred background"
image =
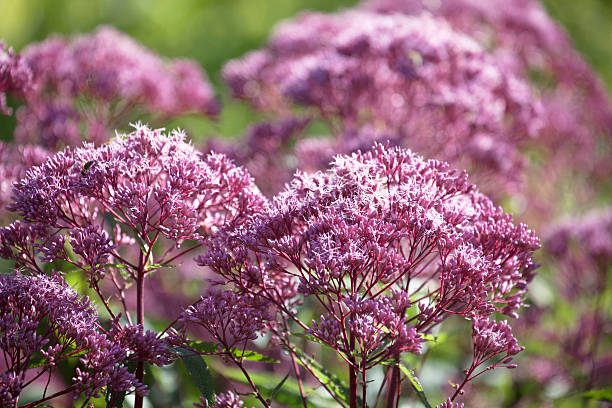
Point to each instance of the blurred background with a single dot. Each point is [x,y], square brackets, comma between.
[214,31]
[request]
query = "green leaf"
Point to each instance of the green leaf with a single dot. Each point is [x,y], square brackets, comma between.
[213,348]
[599,395]
[199,372]
[415,383]
[332,382]
[437,340]
[157,266]
[274,392]
[115,265]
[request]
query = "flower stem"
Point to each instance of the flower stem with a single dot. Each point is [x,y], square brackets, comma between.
[138,401]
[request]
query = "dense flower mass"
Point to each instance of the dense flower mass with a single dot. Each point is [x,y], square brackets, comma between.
[149,181]
[363,255]
[266,149]
[375,233]
[576,109]
[41,317]
[97,208]
[230,318]
[413,76]
[114,74]
[227,399]
[582,247]
[14,161]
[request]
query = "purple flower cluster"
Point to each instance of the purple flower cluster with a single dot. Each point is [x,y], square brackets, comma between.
[14,161]
[15,76]
[227,399]
[450,404]
[142,345]
[582,247]
[365,240]
[42,317]
[99,80]
[117,213]
[230,318]
[366,257]
[491,339]
[149,181]
[266,151]
[437,90]
[576,115]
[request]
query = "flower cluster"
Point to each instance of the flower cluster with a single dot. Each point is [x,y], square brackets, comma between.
[437,89]
[14,161]
[576,113]
[115,75]
[149,181]
[116,213]
[15,76]
[228,317]
[227,399]
[582,247]
[142,345]
[450,404]
[43,318]
[266,150]
[373,234]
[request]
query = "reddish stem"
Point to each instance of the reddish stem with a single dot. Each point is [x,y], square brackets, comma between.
[138,401]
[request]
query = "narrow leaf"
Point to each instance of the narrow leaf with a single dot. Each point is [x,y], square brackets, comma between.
[274,392]
[213,348]
[415,383]
[332,382]
[199,372]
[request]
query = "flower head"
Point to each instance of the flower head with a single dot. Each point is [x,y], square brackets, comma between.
[42,314]
[99,80]
[415,77]
[373,233]
[155,181]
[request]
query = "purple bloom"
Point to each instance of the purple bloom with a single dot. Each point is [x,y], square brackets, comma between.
[227,399]
[576,115]
[491,339]
[265,151]
[99,80]
[230,318]
[94,247]
[436,89]
[371,235]
[157,182]
[450,404]
[582,249]
[142,345]
[15,76]
[42,314]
